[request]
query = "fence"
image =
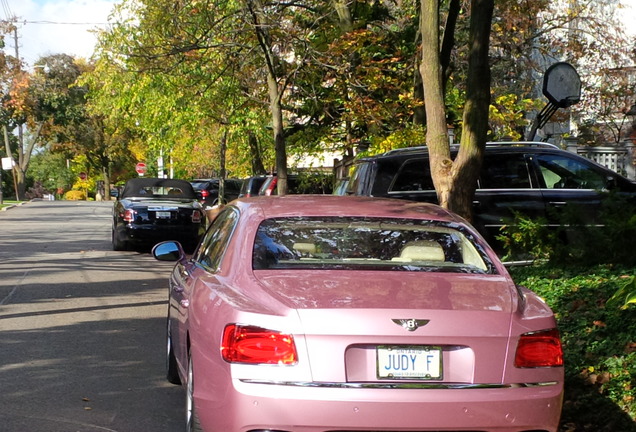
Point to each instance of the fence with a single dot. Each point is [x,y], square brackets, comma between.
[621,159]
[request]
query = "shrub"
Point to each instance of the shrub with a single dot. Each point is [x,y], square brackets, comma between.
[36,191]
[75,195]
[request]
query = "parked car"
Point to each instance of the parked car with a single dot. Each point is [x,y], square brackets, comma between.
[533,179]
[299,184]
[332,313]
[251,186]
[207,190]
[151,210]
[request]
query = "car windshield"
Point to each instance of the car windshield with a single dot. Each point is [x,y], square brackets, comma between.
[160,191]
[366,243]
[198,185]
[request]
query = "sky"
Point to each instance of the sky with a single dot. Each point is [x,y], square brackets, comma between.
[63,26]
[55,26]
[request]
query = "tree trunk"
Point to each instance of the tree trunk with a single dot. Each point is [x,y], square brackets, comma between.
[455,181]
[419,111]
[467,165]
[106,177]
[448,41]
[274,91]
[279,135]
[436,130]
[257,160]
[222,172]
[24,157]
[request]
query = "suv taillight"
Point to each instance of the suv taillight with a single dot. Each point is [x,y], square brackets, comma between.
[128,215]
[539,349]
[196,216]
[204,193]
[255,345]
[271,187]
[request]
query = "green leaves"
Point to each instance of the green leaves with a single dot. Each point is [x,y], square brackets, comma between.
[625,295]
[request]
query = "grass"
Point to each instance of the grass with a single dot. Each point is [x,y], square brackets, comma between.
[7,203]
[599,344]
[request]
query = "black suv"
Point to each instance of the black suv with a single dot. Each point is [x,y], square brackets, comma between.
[251,186]
[300,184]
[535,179]
[207,190]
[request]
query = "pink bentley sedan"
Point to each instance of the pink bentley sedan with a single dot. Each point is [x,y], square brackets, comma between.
[330,314]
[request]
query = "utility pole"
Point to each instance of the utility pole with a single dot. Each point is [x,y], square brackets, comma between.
[21,160]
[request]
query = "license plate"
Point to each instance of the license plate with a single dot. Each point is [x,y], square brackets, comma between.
[163,215]
[409,362]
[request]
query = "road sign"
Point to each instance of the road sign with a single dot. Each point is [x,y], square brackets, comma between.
[140,168]
[7,163]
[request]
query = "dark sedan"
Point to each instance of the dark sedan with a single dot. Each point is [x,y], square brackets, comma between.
[151,210]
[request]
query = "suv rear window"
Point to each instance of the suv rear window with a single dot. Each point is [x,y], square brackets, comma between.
[414,175]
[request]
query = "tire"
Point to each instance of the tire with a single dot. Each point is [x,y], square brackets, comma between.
[118,245]
[172,371]
[192,420]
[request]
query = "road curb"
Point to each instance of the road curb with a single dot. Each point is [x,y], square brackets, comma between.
[13,205]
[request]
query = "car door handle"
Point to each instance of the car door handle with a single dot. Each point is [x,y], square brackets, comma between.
[557,203]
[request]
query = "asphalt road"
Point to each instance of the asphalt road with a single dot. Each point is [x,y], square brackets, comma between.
[82,328]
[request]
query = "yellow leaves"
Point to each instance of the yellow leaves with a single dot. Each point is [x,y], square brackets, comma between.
[507,113]
[19,93]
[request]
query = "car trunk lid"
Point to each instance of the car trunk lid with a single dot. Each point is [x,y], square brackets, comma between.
[352,326]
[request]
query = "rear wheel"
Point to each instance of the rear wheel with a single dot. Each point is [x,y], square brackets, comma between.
[118,245]
[192,420]
[172,371]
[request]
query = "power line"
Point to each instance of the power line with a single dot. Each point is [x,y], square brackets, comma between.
[63,23]
[7,10]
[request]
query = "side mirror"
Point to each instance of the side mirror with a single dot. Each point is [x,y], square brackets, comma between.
[610,183]
[168,251]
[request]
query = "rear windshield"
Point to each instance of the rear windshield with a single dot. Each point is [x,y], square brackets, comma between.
[144,188]
[366,243]
[198,185]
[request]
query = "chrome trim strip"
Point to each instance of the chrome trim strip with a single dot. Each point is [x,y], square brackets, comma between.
[400,385]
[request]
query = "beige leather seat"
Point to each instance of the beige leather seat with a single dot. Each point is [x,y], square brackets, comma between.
[422,250]
[305,249]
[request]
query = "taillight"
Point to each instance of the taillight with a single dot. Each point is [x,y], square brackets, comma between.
[196,216]
[255,345]
[272,186]
[204,193]
[539,349]
[129,215]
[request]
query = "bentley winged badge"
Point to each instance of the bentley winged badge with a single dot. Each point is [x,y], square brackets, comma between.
[410,324]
